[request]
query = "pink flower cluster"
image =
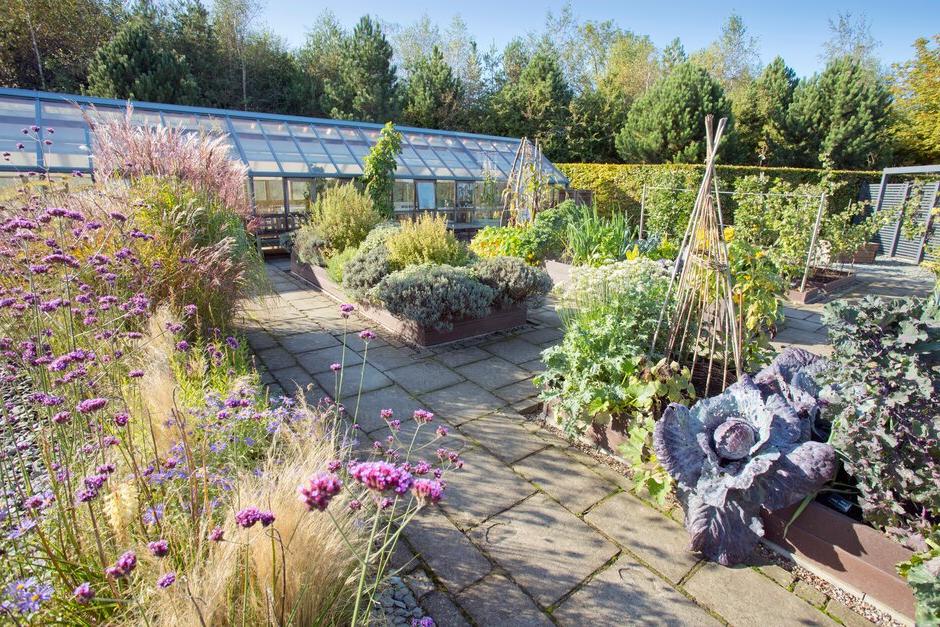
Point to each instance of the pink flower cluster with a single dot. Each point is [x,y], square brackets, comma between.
[320,490]
[428,490]
[250,515]
[381,476]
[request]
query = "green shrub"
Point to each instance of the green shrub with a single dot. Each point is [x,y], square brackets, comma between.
[434,295]
[309,246]
[543,238]
[503,241]
[336,264]
[595,240]
[425,240]
[364,271]
[513,281]
[342,217]
[379,235]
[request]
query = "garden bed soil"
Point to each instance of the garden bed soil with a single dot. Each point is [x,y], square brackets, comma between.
[408,330]
[832,546]
[821,283]
[845,552]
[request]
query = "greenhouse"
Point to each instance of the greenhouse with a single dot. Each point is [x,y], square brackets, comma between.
[289,158]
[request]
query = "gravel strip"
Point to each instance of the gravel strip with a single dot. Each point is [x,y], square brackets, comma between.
[399,606]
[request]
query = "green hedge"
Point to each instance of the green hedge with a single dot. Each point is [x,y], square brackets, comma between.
[619,187]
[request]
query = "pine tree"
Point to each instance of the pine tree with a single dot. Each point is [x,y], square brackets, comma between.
[366,87]
[433,95]
[135,65]
[667,122]
[843,113]
[760,116]
[536,106]
[192,35]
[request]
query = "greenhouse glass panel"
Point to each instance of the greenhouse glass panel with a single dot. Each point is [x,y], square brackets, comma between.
[403,195]
[255,146]
[269,196]
[451,161]
[284,148]
[425,191]
[15,115]
[414,163]
[345,161]
[437,166]
[445,192]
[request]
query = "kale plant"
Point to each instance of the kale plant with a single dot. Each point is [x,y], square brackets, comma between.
[886,425]
[744,450]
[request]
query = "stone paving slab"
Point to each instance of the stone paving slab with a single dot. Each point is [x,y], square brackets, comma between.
[498,601]
[494,372]
[506,439]
[462,402]
[308,341]
[371,379]
[658,541]
[424,376]
[515,350]
[456,562]
[483,488]
[568,550]
[626,593]
[572,484]
[393,397]
[319,361]
[744,597]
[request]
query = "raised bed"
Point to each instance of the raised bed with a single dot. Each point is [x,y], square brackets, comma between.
[851,555]
[821,283]
[408,330]
[865,254]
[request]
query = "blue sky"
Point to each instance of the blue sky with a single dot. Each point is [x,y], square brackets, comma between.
[794,29]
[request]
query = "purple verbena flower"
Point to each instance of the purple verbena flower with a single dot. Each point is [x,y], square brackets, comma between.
[166,580]
[319,490]
[83,593]
[123,566]
[159,548]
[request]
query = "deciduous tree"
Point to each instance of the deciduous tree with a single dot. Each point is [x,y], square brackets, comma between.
[917,103]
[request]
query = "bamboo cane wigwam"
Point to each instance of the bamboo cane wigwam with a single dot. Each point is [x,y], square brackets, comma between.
[698,325]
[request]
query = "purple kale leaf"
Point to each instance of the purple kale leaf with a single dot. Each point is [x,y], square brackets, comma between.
[746,449]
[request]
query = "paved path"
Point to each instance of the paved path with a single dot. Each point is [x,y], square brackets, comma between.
[533,532]
[803,326]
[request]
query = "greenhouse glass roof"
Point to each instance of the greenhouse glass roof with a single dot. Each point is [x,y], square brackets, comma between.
[269,144]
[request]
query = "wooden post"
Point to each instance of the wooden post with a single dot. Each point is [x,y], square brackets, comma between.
[812,241]
[928,223]
[642,211]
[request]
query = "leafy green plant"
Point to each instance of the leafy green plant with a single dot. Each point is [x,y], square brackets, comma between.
[504,241]
[379,173]
[756,289]
[425,240]
[885,382]
[342,217]
[336,264]
[595,240]
[778,217]
[434,295]
[922,573]
[648,474]
[513,282]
